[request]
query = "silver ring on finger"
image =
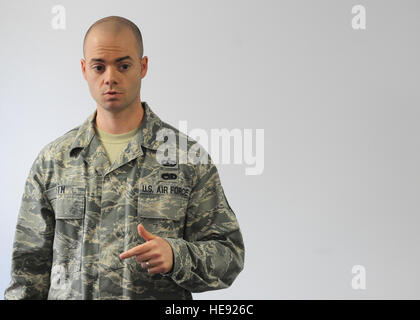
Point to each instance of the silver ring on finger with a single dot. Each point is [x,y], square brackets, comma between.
[148,265]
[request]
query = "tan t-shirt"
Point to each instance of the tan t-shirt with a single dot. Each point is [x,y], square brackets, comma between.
[114,144]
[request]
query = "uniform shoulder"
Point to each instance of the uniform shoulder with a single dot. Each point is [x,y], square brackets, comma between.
[198,164]
[61,143]
[179,134]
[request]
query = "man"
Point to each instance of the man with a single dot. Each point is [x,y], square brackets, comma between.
[101,217]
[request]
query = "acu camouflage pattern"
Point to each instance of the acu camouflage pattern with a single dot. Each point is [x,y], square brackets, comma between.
[79,213]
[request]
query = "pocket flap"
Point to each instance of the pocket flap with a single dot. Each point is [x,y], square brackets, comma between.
[161,206]
[70,207]
[68,201]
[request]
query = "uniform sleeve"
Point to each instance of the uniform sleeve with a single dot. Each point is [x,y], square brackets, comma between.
[211,255]
[32,247]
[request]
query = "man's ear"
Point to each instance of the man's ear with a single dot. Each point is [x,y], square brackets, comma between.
[144,65]
[83,65]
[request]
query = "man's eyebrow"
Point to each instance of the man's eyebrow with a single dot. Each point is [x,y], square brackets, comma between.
[116,60]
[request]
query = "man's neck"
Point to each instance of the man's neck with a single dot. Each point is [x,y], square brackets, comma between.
[119,122]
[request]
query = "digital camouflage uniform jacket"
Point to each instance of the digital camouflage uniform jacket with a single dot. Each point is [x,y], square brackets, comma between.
[79,213]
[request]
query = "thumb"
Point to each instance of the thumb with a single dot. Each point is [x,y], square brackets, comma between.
[144,233]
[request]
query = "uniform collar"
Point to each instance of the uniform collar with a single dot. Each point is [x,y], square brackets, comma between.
[146,135]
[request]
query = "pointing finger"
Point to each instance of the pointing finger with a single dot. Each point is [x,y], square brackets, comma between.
[143,248]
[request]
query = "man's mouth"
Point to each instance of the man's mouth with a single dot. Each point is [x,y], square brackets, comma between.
[111,92]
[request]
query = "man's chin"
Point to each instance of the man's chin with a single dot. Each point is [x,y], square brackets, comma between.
[112,106]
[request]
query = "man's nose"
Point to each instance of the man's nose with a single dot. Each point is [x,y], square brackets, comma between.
[111,76]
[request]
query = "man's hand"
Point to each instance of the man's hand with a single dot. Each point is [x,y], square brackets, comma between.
[157,251]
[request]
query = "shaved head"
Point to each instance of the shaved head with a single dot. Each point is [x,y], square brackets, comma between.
[115,25]
[114,62]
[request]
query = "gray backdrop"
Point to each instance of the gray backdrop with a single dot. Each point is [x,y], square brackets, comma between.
[340,110]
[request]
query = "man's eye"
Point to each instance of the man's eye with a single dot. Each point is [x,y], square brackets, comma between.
[125,66]
[96,68]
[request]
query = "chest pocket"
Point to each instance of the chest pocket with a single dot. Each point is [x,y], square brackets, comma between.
[68,203]
[162,214]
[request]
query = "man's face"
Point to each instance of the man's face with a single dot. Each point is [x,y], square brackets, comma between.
[113,64]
